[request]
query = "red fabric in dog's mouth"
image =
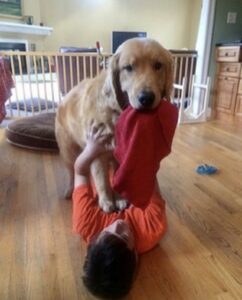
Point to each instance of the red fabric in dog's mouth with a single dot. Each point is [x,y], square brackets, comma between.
[143,139]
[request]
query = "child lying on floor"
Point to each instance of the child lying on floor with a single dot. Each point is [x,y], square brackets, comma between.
[115,239]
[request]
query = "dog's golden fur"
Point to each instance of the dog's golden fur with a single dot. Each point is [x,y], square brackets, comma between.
[140,72]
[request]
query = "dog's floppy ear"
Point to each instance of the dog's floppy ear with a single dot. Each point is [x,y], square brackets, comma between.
[113,85]
[169,77]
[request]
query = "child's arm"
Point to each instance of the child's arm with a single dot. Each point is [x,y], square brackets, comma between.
[97,144]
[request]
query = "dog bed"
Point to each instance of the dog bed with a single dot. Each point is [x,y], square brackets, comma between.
[37,132]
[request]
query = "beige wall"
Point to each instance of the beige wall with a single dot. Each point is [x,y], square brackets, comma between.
[196,8]
[82,22]
[32,8]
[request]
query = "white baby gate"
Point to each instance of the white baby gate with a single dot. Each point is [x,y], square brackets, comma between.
[194,107]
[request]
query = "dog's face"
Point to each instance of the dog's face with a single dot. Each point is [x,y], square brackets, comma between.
[143,70]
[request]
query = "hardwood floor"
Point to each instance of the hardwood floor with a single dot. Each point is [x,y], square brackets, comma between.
[200,258]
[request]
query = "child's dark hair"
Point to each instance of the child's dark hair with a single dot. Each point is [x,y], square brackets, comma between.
[109,268]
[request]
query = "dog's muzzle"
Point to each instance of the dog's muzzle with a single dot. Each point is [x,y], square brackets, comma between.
[146,99]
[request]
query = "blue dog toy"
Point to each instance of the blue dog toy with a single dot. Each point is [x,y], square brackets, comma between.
[206,169]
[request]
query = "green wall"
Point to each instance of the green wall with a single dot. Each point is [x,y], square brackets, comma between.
[223,31]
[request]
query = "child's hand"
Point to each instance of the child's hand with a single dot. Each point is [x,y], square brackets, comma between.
[97,141]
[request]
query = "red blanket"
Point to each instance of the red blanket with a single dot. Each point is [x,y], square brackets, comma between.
[143,139]
[6,83]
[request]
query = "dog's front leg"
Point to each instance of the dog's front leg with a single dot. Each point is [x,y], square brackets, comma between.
[100,174]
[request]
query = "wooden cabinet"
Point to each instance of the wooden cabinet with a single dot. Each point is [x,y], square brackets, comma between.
[228,95]
[229,69]
[229,53]
[238,110]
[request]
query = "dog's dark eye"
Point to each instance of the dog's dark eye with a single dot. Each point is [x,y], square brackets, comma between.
[128,68]
[157,66]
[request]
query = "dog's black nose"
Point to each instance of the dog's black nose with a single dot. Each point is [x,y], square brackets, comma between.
[146,98]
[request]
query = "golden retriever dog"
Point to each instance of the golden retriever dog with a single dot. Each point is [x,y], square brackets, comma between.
[138,74]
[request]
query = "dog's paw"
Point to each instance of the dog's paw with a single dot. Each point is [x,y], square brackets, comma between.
[107,206]
[121,204]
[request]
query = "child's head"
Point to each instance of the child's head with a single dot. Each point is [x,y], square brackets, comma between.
[111,262]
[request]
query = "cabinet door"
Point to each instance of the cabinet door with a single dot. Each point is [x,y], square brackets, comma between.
[226,90]
[238,109]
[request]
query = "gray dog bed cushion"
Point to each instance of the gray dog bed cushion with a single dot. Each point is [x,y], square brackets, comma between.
[36,132]
[34,104]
